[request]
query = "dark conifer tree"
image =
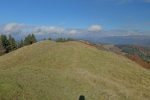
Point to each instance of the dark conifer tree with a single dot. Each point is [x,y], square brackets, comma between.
[2,49]
[21,44]
[12,43]
[30,39]
[5,43]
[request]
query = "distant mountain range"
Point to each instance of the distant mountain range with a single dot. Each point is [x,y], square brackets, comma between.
[130,40]
[134,40]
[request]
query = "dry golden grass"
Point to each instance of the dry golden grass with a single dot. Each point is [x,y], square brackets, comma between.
[63,71]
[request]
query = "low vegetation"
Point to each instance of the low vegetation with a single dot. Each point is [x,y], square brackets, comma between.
[64,39]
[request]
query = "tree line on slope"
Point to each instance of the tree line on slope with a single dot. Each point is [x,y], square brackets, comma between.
[8,43]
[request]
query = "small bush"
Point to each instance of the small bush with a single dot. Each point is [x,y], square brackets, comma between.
[64,39]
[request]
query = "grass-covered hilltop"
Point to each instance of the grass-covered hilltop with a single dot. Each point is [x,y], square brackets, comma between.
[50,70]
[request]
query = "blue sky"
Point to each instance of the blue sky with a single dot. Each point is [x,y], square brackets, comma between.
[106,16]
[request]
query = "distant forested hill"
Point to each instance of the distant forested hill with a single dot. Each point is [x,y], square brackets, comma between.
[137,53]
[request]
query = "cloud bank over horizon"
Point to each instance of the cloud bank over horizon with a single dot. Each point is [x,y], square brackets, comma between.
[16,28]
[94,31]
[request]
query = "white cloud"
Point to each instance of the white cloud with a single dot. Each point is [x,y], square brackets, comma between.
[47,29]
[12,28]
[95,28]
[73,31]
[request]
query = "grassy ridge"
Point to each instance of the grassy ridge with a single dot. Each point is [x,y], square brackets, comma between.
[64,71]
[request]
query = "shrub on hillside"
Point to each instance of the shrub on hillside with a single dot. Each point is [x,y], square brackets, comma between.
[64,39]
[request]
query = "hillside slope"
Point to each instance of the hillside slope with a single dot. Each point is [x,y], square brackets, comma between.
[64,71]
